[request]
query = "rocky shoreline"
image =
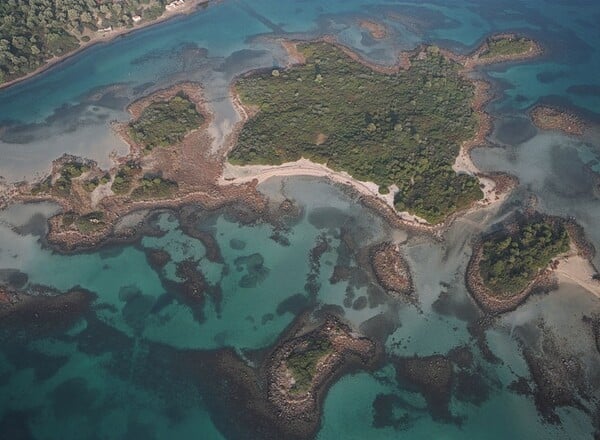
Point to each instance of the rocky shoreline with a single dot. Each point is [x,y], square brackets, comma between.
[550,118]
[391,270]
[189,163]
[347,350]
[545,281]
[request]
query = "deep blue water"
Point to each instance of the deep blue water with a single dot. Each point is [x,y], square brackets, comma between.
[92,379]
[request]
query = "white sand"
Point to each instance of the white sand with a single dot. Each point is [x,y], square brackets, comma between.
[577,270]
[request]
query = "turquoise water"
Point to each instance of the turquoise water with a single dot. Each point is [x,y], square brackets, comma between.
[115,373]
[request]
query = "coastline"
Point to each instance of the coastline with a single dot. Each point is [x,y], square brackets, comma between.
[220,179]
[493,192]
[221,182]
[189,7]
[574,266]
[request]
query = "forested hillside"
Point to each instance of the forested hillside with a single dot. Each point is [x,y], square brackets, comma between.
[33,31]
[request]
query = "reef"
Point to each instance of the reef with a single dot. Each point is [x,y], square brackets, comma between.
[391,269]
[550,118]
[558,377]
[377,31]
[439,378]
[40,311]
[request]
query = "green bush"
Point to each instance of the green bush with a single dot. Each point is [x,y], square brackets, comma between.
[90,222]
[124,178]
[166,122]
[511,261]
[303,364]
[154,188]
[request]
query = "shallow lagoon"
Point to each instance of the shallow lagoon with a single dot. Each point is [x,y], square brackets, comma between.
[60,386]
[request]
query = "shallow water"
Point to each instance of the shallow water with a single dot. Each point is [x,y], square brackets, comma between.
[99,377]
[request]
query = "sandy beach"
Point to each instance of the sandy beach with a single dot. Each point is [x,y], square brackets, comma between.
[102,37]
[576,269]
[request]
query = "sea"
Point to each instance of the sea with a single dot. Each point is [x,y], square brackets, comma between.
[94,377]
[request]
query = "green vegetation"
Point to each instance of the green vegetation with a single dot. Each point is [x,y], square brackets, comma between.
[124,177]
[93,183]
[62,186]
[303,364]
[154,188]
[166,122]
[511,261]
[33,31]
[505,46]
[404,128]
[85,223]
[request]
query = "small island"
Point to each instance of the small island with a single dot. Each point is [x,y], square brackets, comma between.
[517,260]
[506,47]
[302,368]
[165,123]
[392,270]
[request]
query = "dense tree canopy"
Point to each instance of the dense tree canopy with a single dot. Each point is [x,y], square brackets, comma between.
[511,261]
[404,128]
[165,123]
[33,31]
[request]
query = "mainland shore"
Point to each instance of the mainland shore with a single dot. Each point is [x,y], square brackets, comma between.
[188,7]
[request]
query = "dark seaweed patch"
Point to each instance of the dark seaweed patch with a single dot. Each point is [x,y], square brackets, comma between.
[385,413]
[294,304]
[256,272]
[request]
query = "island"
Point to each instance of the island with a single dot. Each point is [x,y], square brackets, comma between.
[302,368]
[507,46]
[401,129]
[401,133]
[518,259]
[43,33]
